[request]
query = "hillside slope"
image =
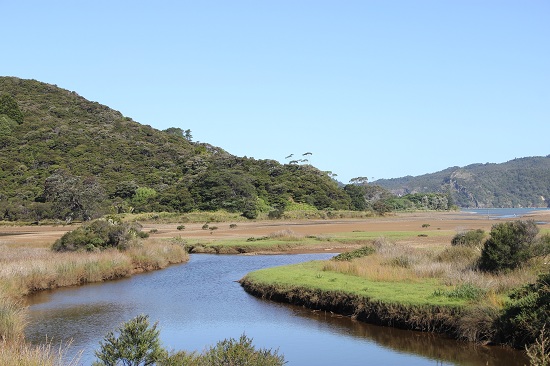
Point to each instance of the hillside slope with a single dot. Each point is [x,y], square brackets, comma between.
[58,146]
[522,182]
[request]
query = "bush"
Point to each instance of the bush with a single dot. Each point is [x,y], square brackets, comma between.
[241,352]
[137,344]
[470,238]
[357,253]
[99,234]
[509,245]
[527,313]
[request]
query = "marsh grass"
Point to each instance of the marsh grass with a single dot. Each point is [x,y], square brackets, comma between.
[12,320]
[452,267]
[22,354]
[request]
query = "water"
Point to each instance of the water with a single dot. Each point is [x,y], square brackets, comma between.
[199,303]
[503,213]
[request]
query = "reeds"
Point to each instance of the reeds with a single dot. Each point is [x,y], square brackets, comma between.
[22,354]
[30,270]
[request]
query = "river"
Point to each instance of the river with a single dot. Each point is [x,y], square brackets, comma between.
[200,303]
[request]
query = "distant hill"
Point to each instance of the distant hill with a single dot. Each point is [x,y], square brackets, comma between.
[62,155]
[522,182]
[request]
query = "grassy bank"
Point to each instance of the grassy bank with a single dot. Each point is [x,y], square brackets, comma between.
[428,289]
[24,270]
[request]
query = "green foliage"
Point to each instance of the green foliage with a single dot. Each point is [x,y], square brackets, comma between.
[9,107]
[464,291]
[509,245]
[137,344]
[527,313]
[84,160]
[73,197]
[357,253]
[470,238]
[240,352]
[520,182]
[99,234]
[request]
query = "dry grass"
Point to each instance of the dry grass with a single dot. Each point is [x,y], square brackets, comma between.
[452,266]
[21,354]
[25,270]
[286,234]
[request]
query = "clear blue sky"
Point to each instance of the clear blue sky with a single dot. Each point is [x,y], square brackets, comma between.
[379,89]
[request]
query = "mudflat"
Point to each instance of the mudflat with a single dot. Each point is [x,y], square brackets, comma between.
[447,224]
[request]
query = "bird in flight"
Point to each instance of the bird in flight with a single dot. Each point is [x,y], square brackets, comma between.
[287,157]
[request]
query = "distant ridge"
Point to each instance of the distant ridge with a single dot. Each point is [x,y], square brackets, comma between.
[522,182]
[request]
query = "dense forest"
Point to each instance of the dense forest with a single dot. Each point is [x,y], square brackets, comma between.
[522,182]
[64,157]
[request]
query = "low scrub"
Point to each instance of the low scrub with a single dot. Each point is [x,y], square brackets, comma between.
[470,238]
[357,253]
[99,235]
[138,343]
[510,245]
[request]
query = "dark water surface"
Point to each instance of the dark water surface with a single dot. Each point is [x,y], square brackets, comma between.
[199,303]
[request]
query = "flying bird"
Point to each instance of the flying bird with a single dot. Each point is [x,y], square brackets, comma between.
[291,155]
[307,153]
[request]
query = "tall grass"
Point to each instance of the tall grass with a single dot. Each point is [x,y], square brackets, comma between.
[25,270]
[12,320]
[22,354]
[452,266]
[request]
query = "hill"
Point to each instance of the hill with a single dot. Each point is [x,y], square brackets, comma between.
[62,156]
[522,182]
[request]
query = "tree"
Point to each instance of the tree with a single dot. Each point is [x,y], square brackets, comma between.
[137,344]
[73,196]
[9,107]
[509,245]
[359,180]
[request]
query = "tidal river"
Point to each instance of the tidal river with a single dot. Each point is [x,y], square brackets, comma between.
[200,303]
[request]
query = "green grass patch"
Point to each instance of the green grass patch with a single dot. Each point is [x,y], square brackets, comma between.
[394,235]
[357,253]
[311,275]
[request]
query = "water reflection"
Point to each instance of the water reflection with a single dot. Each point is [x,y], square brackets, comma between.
[200,303]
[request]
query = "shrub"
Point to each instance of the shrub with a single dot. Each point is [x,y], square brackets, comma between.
[137,344]
[527,313]
[99,234]
[357,253]
[470,238]
[539,352]
[241,352]
[509,245]
[181,227]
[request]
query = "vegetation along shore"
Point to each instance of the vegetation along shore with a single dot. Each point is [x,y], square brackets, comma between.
[410,270]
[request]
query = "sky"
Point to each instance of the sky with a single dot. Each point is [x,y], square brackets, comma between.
[376,89]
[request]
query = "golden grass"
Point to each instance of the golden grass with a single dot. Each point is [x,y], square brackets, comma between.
[22,354]
[394,262]
[25,270]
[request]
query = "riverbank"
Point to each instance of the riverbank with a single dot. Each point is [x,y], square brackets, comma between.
[416,282]
[28,265]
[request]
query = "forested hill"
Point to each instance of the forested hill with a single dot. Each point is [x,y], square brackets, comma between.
[522,182]
[62,155]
